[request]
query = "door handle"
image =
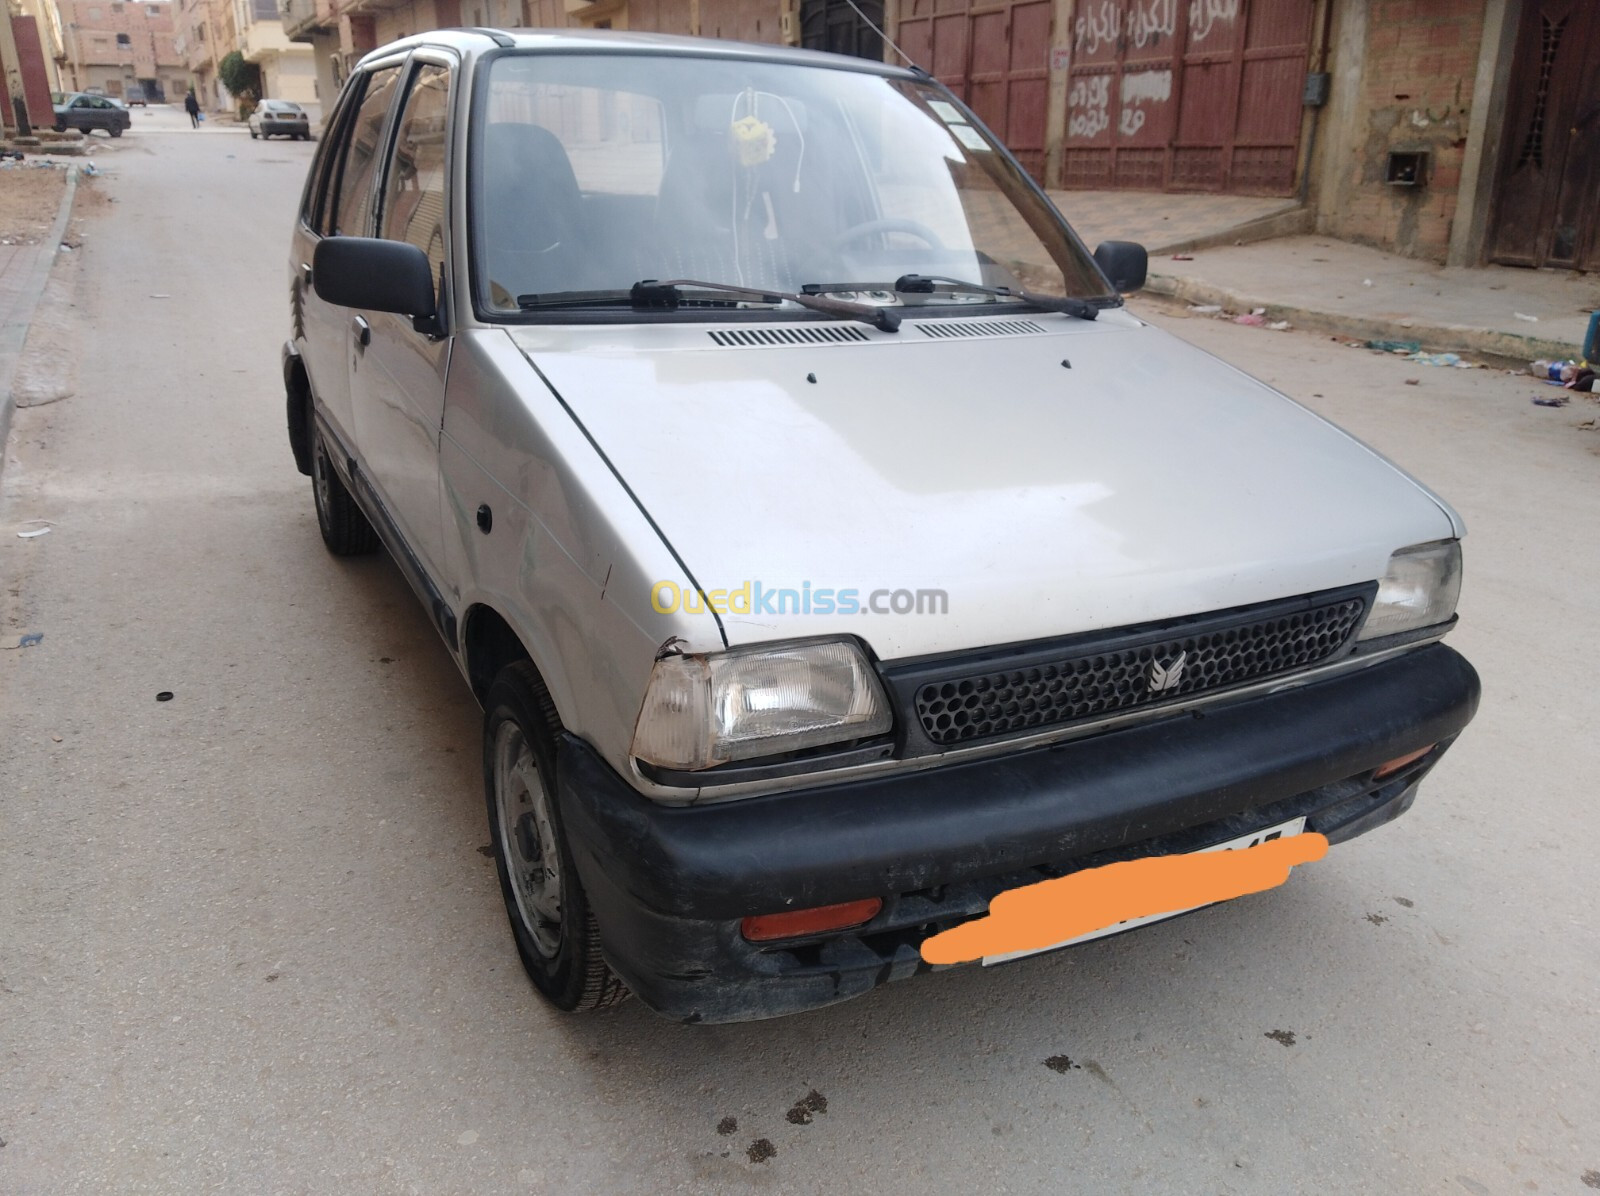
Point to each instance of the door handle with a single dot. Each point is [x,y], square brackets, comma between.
[305,274]
[363,331]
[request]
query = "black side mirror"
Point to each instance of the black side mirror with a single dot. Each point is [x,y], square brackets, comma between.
[1125,263]
[376,275]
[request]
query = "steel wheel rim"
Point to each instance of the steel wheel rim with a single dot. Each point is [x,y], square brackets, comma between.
[319,479]
[527,838]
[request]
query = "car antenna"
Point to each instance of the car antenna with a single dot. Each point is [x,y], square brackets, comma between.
[873,25]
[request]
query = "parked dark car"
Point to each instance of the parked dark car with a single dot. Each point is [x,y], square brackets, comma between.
[78,110]
[280,117]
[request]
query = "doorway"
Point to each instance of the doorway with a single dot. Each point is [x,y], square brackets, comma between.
[836,26]
[1547,199]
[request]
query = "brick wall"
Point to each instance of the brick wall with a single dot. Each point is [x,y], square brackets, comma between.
[1421,57]
[94,25]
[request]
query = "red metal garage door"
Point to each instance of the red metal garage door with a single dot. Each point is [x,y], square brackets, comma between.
[995,56]
[1196,96]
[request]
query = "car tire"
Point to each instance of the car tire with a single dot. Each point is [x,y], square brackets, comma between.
[551,921]
[345,529]
[252,134]
[115,131]
[60,128]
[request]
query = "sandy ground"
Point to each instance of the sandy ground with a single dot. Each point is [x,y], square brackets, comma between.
[250,942]
[29,197]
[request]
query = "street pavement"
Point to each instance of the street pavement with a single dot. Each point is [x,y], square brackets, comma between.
[249,940]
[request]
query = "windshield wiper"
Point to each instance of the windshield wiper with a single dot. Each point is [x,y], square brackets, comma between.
[664,295]
[591,299]
[926,284]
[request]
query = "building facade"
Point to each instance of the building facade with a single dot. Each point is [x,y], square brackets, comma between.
[114,45]
[209,30]
[1465,131]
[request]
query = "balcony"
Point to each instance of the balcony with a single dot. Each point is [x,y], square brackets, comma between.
[361,6]
[303,19]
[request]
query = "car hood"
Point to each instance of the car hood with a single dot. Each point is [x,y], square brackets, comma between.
[1048,475]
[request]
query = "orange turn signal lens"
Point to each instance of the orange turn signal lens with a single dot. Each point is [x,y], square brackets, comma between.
[818,919]
[1399,762]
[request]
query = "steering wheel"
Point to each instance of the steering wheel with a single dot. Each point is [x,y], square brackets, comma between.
[867,228]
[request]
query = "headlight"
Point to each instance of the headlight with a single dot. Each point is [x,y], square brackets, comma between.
[1419,590]
[705,710]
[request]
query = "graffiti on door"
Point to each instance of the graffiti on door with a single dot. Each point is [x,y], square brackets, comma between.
[1195,95]
[1206,15]
[1140,88]
[1145,23]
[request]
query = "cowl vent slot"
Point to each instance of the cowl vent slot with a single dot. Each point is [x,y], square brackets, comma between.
[746,338]
[955,329]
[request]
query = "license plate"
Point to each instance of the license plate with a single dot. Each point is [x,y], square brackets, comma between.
[1283,830]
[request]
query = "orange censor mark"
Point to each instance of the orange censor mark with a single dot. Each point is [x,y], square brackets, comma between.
[1054,912]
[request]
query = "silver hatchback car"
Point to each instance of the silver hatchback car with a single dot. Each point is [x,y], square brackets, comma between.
[829,548]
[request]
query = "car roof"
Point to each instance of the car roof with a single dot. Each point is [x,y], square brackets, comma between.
[624,42]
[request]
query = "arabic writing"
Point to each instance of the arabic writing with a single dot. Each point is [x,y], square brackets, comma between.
[1140,87]
[1146,22]
[1205,15]
[1087,104]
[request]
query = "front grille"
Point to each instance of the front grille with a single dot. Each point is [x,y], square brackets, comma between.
[1091,682]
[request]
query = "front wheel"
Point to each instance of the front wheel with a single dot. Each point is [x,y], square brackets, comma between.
[551,922]
[115,130]
[252,134]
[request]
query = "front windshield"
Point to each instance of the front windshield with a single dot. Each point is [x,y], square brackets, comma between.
[593,172]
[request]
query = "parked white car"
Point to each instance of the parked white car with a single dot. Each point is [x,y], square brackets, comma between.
[284,118]
[828,546]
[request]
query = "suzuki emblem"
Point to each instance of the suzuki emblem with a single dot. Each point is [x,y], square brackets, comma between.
[1166,678]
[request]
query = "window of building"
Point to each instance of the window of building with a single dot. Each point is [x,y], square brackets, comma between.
[152,11]
[95,14]
[123,40]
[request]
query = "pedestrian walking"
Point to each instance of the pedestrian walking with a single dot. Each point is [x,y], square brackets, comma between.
[191,105]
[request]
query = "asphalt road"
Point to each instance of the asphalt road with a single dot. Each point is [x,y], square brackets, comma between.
[249,939]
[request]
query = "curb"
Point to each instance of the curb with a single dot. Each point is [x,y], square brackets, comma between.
[1288,223]
[15,334]
[1486,342]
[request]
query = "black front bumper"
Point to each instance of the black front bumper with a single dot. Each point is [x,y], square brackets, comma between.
[669,884]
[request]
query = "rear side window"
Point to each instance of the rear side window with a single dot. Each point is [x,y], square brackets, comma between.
[414,188]
[358,160]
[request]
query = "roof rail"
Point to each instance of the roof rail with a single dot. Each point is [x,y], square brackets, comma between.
[499,36]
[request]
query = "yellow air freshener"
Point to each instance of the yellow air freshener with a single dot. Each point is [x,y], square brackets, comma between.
[753,140]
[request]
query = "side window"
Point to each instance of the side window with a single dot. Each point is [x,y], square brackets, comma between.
[358,159]
[324,181]
[414,187]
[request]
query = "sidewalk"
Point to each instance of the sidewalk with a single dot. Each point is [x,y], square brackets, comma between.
[1336,287]
[24,270]
[1176,223]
